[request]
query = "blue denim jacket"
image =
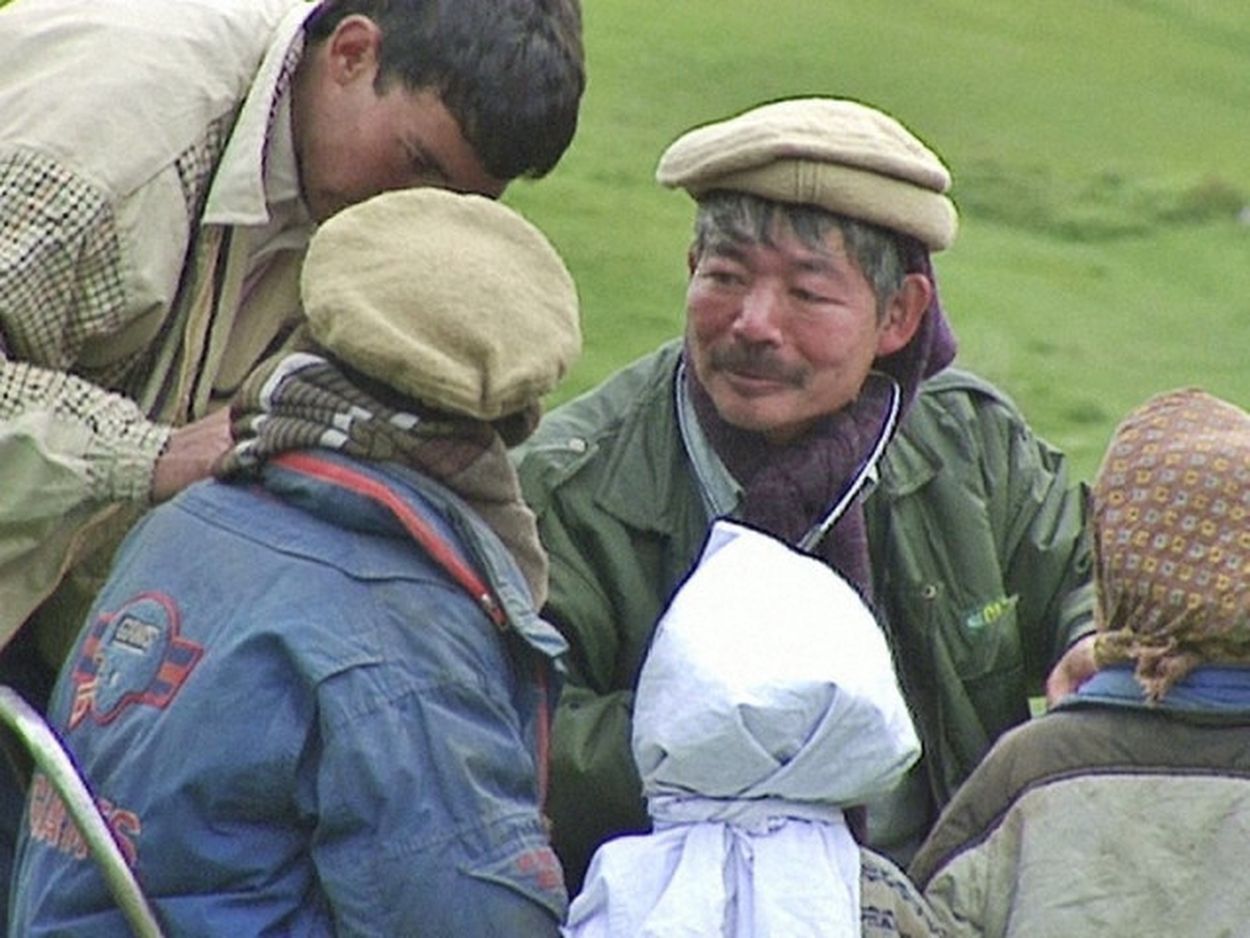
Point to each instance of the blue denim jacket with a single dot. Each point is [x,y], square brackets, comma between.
[297,722]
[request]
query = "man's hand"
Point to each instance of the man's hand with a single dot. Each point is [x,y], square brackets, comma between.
[1074,669]
[190,455]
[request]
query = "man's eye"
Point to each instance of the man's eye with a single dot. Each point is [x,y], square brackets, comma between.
[721,276]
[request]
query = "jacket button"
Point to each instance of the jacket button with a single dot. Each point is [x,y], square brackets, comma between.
[577,444]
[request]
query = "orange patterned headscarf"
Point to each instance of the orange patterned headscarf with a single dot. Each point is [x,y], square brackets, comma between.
[1171,516]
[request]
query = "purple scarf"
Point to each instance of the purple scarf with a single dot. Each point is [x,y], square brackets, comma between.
[788,487]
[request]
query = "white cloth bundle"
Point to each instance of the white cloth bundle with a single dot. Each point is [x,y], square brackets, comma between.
[768,701]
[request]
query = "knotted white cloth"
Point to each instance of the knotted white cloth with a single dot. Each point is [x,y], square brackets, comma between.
[768,701]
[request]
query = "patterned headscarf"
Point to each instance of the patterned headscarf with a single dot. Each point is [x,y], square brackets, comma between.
[1171,517]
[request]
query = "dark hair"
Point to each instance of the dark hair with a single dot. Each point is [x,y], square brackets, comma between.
[882,256]
[510,71]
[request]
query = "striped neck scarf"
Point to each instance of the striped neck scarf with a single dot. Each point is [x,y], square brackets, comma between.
[305,400]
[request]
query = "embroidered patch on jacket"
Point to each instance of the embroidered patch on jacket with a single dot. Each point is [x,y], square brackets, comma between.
[132,656]
[990,613]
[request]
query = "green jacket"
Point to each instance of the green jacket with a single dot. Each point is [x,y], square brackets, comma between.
[979,548]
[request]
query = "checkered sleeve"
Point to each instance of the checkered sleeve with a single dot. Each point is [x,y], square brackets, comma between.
[61,284]
[102,437]
[60,261]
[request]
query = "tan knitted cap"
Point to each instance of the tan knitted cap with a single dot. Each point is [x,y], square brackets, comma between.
[839,155]
[453,299]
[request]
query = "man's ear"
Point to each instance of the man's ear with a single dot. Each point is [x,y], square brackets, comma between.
[903,314]
[354,48]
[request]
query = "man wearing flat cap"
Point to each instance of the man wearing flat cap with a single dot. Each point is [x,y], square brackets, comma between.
[313,696]
[811,396]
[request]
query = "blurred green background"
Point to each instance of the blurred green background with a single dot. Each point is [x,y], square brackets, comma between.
[1100,151]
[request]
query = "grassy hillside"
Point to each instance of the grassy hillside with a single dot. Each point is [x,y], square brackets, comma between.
[1099,151]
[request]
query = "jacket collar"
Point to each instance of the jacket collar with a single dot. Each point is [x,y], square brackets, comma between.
[1217,690]
[238,195]
[908,464]
[388,498]
[648,482]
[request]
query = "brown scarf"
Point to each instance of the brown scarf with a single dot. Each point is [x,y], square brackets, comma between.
[1171,516]
[306,399]
[789,487]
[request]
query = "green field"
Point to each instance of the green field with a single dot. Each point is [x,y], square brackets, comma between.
[1101,156]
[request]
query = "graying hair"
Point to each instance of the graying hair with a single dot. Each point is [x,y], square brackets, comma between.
[725,216]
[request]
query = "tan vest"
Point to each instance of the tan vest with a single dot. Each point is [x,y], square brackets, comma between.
[182,281]
[205,361]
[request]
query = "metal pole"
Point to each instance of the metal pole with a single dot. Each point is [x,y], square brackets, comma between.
[52,759]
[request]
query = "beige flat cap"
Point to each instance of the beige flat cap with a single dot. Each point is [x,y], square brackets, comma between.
[840,155]
[455,300]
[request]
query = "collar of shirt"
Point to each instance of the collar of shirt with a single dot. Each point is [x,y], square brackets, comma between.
[722,495]
[289,226]
[1214,689]
[240,193]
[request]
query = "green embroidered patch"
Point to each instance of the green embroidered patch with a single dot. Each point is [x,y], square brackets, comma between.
[990,613]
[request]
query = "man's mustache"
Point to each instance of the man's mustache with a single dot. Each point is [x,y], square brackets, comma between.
[756,361]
